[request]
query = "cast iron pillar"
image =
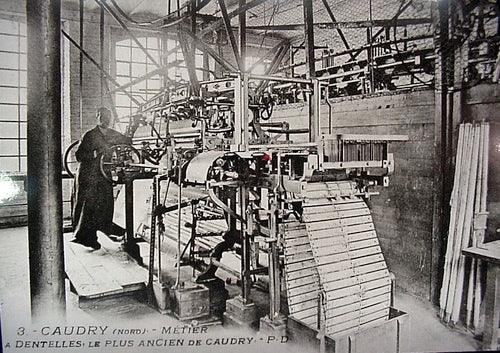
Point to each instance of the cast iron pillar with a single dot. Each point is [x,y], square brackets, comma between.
[44,185]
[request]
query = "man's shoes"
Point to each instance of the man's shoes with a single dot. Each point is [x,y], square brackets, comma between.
[94,244]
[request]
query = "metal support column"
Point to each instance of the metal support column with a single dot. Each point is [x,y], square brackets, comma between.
[245,247]
[45,233]
[130,244]
[242,24]
[311,69]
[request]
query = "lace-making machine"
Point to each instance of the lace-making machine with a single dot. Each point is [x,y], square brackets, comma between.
[294,212]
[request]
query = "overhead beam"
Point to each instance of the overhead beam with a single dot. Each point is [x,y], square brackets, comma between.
[129,32]
[205,47]
[345,24]
[145,77]
[360,49]
[273,67]
[230,33]
[242,31]
[309,37]
[339,31]
[190,62]
[249,5]
[269,54]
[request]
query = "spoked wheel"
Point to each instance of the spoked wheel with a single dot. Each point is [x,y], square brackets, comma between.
[119,163]
[69,160]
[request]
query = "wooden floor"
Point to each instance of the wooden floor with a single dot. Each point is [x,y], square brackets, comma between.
[104,272]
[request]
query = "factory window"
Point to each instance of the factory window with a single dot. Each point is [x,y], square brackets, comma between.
[178,73]
[131,63]
[13,93]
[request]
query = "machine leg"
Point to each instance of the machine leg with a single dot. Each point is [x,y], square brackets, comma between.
[130,245]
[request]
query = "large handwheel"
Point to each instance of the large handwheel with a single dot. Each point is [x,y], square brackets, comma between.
[69,160]
[120,163]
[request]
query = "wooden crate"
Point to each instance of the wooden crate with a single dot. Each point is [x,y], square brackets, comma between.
[390,336]
[191,302]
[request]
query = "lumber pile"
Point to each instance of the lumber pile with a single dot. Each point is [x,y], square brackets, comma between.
[467,225]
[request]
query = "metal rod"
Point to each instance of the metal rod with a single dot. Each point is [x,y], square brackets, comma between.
[179,220]
[129,32]
[309,37]
[242,24]
[104,72]
[230,33]
[101,50]
[200,44]
[339,31]
[80,73]
[45,233]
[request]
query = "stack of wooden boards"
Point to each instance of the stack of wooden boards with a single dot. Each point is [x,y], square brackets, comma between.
[467,224]
[333,256]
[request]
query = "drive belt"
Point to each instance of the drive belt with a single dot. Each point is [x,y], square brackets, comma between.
[334,251]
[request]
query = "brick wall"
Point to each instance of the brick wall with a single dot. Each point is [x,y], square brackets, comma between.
[402,213]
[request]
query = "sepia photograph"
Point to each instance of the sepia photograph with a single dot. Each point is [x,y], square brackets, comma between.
[249,176]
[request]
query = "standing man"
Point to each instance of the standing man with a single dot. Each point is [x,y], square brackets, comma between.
[92,198]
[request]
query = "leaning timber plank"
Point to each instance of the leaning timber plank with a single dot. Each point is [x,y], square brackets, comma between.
[383,313]
[339,269]
[328,259]
[365,252]
[367,277]
[362,236]
[360,228]
[305,265]
[290,250]
[340,248]
[359,270]
[291,276]
[290,259]
[360,244]
[306,313]
[327,233]
[375,292]
[297,241]
[367,260]
[376,284]
[299,282]
[297,297]
[305,306]
[297,233]
[303,290]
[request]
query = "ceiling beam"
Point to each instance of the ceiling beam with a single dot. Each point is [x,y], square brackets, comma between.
[339,31]
[345,24]
[230,33]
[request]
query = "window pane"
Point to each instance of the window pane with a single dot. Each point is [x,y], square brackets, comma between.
[122,111]
[22,130]
[8,95]
[9,147]
[122,100]
[23,147]
[23,114]
[138,70]
[22,44]
[138,55]
[9,130]
[22,79]
[9,164]
[122,69]
[24,164]
[23,92]
[8,112]
[122,53]
[23,62]
[9,43]
[153,43]
[9,78]
[9,61]
[7,26]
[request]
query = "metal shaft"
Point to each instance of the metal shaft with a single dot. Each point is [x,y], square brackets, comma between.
[44,160]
